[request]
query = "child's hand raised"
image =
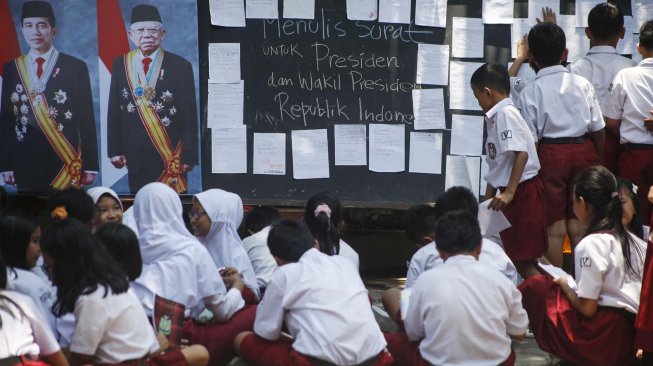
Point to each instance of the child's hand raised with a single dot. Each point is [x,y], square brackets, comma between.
[548,16]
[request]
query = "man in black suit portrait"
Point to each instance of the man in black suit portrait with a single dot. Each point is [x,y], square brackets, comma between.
[47,125]
[152,118]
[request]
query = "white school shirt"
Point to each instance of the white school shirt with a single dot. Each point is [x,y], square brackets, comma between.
[630,100]
[259,254]
[324,304]
[517,85]
[507,132]
[601,272]
[190,278]
[348,252]
[41,292]
[112,328]
[600,66]
[462,312]
[560,104]
[427,257]
[27,333]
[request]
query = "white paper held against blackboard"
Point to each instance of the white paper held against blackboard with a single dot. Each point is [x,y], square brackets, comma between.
[432,64]
[461,95]
[310,154]
[229,150]
[262,9]
[362,9]
[225,105]
[428,109]
[431,13]
[425,153]
[350,144]
[224,62]
[227,13]
[498,11]
[387,148]
[466,135]
[269,153]
[299,9]
[394,11]
[467,37]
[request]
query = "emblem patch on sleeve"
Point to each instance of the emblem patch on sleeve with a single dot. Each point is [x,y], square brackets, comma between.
[585,262]
[507,134]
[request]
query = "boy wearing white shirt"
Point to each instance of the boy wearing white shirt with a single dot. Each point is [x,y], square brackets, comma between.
[564,116]
[463,312]
[627,105]
[601,64]
[257,222]
[322,301]
[513,169]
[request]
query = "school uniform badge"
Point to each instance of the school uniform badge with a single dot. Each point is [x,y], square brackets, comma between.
[507,134]
[585,262]
[491,150]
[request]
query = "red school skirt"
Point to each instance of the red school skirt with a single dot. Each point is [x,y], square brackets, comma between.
[644,322]
[605,339]
[172,357]
[261,352]
[527,238]
[218,337]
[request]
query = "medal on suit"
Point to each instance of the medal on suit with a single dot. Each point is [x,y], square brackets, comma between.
[146,84]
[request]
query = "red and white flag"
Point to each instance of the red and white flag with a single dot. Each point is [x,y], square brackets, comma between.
[112,43]
[9,48]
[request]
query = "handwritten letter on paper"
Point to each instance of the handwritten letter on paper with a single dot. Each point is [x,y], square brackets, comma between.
[432,64]
[270,153]
[229,150]
[350,144]
[310,154]
[227,13]
[428,109]
[425,153]
[431,13]
[387,148]
[224,62]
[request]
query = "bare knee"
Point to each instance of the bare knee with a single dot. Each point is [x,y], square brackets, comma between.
[391,299]
[196,355]
[558,229]
[239,339]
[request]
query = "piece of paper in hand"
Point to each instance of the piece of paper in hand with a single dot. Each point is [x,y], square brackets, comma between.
[557,272]
[491,222]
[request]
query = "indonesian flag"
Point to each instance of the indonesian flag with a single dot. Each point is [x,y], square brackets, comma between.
[9,48]
[112,43]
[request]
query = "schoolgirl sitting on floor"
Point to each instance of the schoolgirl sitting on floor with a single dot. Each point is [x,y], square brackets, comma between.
[581,325]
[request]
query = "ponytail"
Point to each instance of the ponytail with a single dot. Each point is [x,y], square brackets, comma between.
[599,189]
[322,215]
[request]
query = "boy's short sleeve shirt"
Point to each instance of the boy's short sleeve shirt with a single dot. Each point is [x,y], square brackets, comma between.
[507,133]
[630,99]
[560,104]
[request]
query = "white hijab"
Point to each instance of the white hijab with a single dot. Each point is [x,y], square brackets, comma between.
[225,210]
[97,192]
[161,229]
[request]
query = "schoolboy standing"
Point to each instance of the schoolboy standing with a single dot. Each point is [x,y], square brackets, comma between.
[463,312]
[564,116]
[513,169]
[601,64]
[628,102]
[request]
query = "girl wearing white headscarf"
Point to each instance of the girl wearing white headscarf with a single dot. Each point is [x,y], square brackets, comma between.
[215,219]
[177,267]
[108,207]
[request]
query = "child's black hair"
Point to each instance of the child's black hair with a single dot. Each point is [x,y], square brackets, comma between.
[15,234]
[121,242]
[547,42]
[636,223]
[456,198]
[323,226]
[605,21]
[491,75]
[599,189]
[646,35]
[81,264]
[419,222]
[77,202]
[458,232]
[289,240]
[261,217]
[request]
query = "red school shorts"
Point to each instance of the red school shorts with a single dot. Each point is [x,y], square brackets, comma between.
[611,152]
[526,239]
[261,352]
[406,352]
[636,165]
[559,165]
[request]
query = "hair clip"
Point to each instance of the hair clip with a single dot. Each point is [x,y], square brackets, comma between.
[59,212]
[634,188]
[323,207]
[615,194]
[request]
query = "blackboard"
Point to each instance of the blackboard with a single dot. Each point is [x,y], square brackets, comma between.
[278,59]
